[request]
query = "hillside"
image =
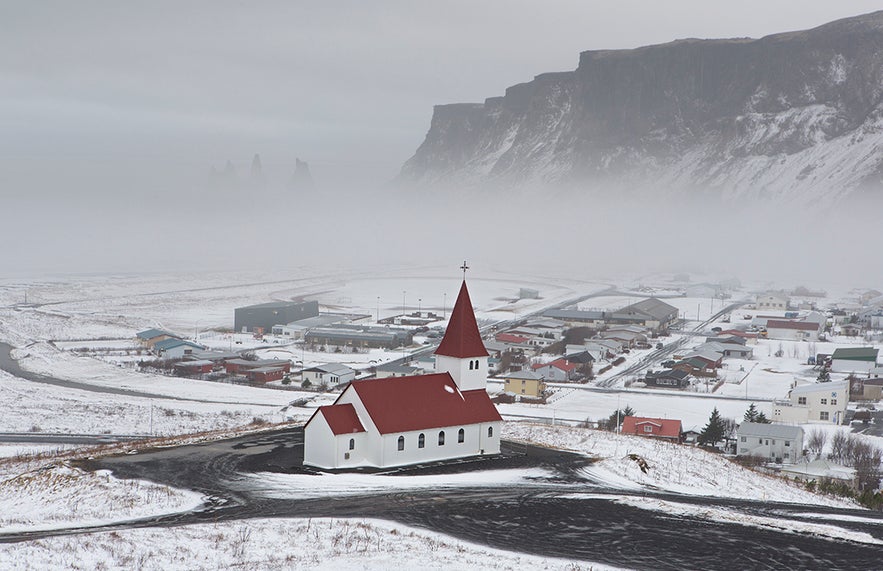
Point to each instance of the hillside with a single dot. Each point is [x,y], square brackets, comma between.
[794,116]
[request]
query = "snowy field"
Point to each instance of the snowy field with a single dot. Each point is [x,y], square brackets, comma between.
[270,544]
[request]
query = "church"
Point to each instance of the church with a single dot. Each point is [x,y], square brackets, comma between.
[399,421]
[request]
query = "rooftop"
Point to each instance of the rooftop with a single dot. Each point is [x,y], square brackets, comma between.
[462,338]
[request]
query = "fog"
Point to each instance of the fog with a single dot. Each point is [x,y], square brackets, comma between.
[113,114]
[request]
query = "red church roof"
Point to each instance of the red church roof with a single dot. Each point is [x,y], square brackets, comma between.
[341,418]
[403,404]
[462,339]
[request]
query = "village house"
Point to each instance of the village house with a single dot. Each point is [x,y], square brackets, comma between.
[772,442]
[330,374]
[662,428]
[652,313]
[151,337]
[241,366]
[175,348]
[399,421]
[816,402]
[557,371]
[265,374]
[772,300]
[793,330]
[854,359]
[667,379]
[197,367]
[525,383]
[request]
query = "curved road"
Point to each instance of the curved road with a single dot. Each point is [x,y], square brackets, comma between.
[567,514]
[11,366]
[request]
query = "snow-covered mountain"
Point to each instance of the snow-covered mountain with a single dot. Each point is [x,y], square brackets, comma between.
[793,116]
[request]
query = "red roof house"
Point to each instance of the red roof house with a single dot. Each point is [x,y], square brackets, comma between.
[665,428]
[559,370]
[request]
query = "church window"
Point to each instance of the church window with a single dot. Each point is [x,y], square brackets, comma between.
[352,443]
[471,363]
[490,431]
[421,441]
[461,435]
[401,442]
[441,438]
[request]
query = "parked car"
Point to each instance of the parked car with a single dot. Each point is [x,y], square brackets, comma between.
[660,346]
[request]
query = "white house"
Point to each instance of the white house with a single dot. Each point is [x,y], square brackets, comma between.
[772,300]
[176,348]
[399,421]
[774,442]
[854,359]
[816,402]
[330,374]
[793,330]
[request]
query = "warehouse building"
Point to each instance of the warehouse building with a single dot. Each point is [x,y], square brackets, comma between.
[262,317]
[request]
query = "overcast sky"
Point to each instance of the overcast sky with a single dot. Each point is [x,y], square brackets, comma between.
[92,87]
[111,114]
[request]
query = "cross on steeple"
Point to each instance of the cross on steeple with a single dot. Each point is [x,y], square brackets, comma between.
[464,267]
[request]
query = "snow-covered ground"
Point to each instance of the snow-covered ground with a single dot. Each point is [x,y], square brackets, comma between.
[55,495]
[675,468]
[268,544]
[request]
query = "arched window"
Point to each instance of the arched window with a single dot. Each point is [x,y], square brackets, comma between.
[461,435]
[476,364]
[471,363]
[352,443]
[421,440]
[441,438]
[490,431]
[401,442]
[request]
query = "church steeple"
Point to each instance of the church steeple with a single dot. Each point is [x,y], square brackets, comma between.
[462,338]
[461,352]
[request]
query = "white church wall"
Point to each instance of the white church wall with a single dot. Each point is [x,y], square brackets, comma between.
[475,442]
[319,443]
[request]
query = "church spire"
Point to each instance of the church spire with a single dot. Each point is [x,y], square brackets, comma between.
[462,339]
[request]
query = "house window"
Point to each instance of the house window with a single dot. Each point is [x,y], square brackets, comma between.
[490,431]
[834,402]
[774,442]
[352,443]
[743,439]
[824,401]
[441,438]
[421,441]
[823,415]
[461,436]
[648,428]
[401,443]
[801,400]
[787,443]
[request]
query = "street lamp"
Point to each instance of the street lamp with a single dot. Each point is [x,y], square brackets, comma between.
[403,303]
[419,306]
[378,309]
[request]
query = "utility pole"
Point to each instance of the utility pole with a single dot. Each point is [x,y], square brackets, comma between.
[445,306]
[151,418]
[378,309]
[403,305]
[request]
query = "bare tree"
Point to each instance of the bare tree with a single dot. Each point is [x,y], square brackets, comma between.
[816,442]
[838,446]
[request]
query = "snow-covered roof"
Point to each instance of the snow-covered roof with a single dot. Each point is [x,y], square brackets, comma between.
[817,387]
[764,430]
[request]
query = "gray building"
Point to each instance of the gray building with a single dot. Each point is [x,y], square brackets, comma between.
[374,337]
[266,315]
[774,442]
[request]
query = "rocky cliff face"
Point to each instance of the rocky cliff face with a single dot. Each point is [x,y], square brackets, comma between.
[791,116]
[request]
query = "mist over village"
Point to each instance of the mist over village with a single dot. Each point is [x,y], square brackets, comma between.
[494,285]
